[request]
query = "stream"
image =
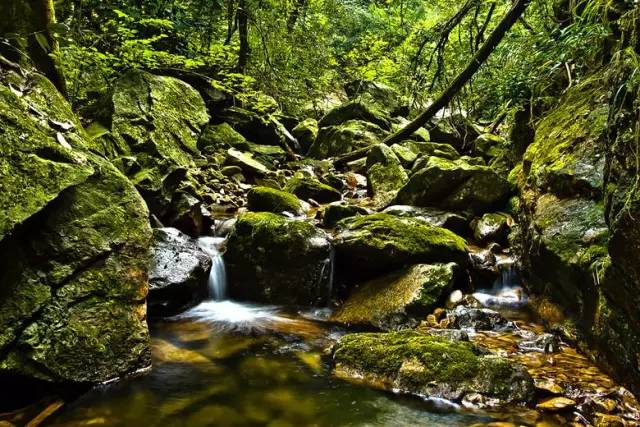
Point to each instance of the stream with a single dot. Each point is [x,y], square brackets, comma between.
[225,363]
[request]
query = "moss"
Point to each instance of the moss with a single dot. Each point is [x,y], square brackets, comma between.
[435,149]
[355,111]
[385,174]
[380,243]
[310,188]
[342,139]
[306,133]
[336,212]
[265,199]
[404,154]
[221,136]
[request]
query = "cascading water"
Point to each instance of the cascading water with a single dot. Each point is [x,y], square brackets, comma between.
[506,291]
[218,274]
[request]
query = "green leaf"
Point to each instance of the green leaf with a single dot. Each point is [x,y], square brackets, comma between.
[43,42]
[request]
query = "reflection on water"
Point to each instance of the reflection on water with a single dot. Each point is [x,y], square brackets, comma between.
[255,367]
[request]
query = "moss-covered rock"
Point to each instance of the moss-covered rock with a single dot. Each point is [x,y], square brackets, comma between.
[311,188]
[258,128]
[74,236]
[335,212]
[454,221]
[430,366]
[306,133]
[492,227]
[345,138]
[245,161]
[385,174]
[377,94]
[397,300]
[428,149]
[219,137]
[455,185]
[265,199]
[273,259]
[355,110]
[380,243]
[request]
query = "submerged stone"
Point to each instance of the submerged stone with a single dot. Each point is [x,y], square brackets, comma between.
[431,366]
[397,300]
[265,199]
[277,260]
[368,245]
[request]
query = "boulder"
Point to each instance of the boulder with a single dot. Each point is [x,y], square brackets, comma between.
[455,185]
[74,236]
[478,319]
[272,259]
[398,300]
[385,174]
[219,137]
[265,199]
[344,138]
[245,161]
[178,273]
[261,129]
[406,155]
[411,362]
[311,188]
[355,111]
[492,227]
[337,211]
[306,133]
[456,222]
[377,94]
[428,149]
[369,245]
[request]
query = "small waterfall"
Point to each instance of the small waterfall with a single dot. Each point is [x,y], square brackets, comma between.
[218,274]
[506,291]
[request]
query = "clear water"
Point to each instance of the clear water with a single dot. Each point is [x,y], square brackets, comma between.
[218,275]
[229,364]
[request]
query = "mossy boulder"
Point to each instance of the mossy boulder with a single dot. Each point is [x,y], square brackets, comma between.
[74,236]
[344,138]
[311,188]
[265,199]
[245,161]
[377,94]
[219,137]
[337,211]
[385,174]
[455,185]
[424,365]
[273,259]
[355,110]
[306,133]
[428,149]
[398,300]
[492,227]
[258,128]
[178,273]
[369,245]
[454,221]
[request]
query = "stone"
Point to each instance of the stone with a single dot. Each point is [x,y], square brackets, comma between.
[355,111]
[369,245]
[311,188]
[456,222]
[556,404]
[306,133]
[265,199]
[74,237]
[275,260]
[342,139]
[397,300]
[543,343]
[385,174]
[432,149]
[411,362]
[219,137]
[375,93]
[449,334]
[264,129]
[455,185]
[492,227]
[178,273]
[406,156]
[337,211]
[479,319]
[246,162]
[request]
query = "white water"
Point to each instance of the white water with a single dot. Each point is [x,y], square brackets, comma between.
[218,274]
[506,291]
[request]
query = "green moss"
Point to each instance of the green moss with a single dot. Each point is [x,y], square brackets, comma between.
[220,136]
[310,188]
[336,212]
[342,139]
[265,199]
[355,111]
[385,174]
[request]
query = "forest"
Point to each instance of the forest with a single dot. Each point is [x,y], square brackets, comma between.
[292,213]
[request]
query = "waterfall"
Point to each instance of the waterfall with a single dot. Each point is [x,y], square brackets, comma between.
[507,290]
[218,275]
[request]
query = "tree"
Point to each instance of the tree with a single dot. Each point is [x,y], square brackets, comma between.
[243,33]
[29,24]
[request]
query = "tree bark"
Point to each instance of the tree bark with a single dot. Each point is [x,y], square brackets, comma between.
[463,78]
[31,20]
[243,33]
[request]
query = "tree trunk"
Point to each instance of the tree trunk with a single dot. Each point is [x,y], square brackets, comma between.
[232,21]
[463,78]
[30,21]
[243,33]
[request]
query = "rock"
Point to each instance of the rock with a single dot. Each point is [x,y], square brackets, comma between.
[455,185]
[355,111]
[377,94]
[606,420]
[397,300]
[265,199]
[338,211]
[456,130]
[455,299]
[458,223]
[432,149]
[306,133]
[385,174]
[406,156]
[421,135]
[231,171]
[276,260]
[492,227]
[178,273]
[449,334]
[246,162]
[544,343]
[479,319]
[219,137]
[381,243]
[310,188]
[257,128]
[548,386]
[342,139]
[425,365]
[74,236]
[556,404]
[484,268]
[270,155]
[187,213]
[488,146]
